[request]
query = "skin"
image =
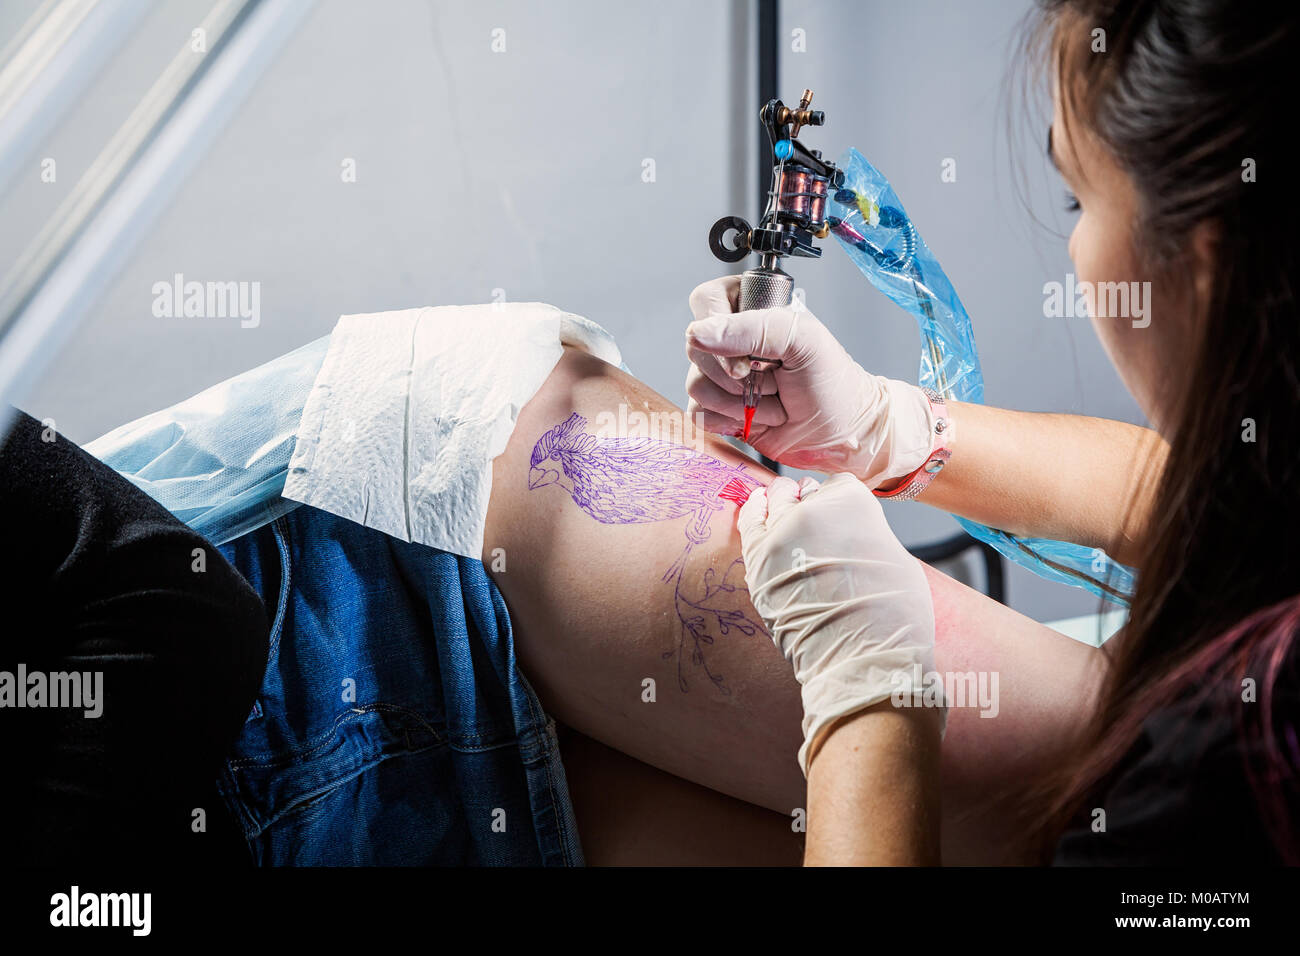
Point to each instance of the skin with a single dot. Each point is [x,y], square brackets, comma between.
[878,743]
[1147,356]
[632,814]
[1085,480]
[593,620]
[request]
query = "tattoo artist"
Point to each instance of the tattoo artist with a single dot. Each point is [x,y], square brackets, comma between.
[1192,750]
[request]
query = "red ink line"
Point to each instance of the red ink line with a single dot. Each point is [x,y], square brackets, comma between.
[735,490]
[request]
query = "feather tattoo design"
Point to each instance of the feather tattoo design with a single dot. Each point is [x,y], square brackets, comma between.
[637,480]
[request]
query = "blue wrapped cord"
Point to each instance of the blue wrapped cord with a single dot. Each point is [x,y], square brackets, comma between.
[874,229]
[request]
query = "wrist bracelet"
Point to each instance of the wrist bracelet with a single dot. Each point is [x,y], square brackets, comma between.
[919,480]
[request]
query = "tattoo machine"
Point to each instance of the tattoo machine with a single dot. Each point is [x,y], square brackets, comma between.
[809,199]
[794,217]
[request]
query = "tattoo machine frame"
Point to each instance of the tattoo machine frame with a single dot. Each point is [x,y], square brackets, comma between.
[794,217]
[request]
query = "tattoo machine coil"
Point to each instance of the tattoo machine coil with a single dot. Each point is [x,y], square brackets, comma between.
[794,217]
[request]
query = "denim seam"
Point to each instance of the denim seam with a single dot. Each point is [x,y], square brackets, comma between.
[461,743]
[547,754]
[560,825]
[322,740]
[255,826]
[228,787]
[535,709]
[327,788]
[280,532]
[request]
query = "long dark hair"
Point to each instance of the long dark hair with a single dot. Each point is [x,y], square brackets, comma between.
[1193,99]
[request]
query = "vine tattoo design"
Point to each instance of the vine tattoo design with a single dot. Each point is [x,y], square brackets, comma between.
[638,480]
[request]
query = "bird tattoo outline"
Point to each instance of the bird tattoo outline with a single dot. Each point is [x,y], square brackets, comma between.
[639,480]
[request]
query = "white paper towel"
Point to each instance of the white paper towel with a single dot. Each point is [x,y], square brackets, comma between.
[410,408]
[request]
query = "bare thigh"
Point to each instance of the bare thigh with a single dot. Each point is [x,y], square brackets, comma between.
[632,814]
[615,651]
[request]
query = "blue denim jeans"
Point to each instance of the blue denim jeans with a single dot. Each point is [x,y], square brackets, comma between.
[393,726]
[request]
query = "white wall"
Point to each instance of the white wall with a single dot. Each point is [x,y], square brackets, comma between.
[523,171]
[476,171]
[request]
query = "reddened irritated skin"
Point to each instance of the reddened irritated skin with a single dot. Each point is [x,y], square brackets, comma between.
[594,621]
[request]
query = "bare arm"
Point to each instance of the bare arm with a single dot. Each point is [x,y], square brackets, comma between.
[873,790]
[1065,477]
[597,614]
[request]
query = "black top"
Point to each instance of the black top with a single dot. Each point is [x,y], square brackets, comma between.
[1183,794]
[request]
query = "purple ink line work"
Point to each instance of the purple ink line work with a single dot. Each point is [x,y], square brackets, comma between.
[633,480]
[639,480]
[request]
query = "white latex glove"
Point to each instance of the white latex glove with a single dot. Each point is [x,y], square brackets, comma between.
[845,602]
[820,411]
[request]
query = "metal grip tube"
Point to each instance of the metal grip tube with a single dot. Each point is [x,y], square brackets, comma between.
[764,288]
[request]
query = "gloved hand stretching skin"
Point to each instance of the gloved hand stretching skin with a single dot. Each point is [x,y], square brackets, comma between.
[820,410]
[845,602]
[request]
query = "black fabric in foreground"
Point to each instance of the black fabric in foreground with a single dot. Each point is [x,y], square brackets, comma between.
[98,578]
